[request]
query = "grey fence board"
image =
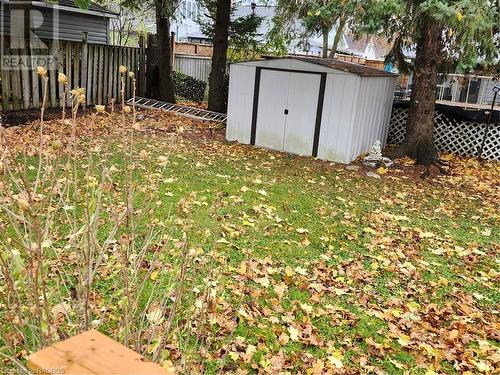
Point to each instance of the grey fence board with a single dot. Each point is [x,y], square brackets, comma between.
[94,67]
[194,66]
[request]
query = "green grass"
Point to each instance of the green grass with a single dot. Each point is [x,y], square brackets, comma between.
[356,272]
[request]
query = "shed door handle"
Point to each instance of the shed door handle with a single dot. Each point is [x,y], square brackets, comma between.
[286,111]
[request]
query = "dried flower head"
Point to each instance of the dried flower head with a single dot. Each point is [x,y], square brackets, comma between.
[41,71]
[77,92]
[22,204]
[62,79]
[131,74]
[100,108]
[127,109]
[57,144]
[79,95]
[123,69]
[162,160]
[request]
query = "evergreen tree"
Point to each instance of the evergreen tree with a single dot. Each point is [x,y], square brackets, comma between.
[457,35]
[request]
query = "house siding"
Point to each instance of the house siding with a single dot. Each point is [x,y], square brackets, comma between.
[72,25]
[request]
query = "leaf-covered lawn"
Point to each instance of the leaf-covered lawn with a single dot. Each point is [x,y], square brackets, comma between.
[296,265]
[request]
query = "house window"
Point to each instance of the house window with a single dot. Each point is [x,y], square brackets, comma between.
[195,11]
[184,9]
[190,10]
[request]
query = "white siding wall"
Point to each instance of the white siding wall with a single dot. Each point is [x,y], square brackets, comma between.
[372,114]
[339,109]
[240,104]
[70,25]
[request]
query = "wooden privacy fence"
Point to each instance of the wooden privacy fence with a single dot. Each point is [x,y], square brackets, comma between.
[92,66]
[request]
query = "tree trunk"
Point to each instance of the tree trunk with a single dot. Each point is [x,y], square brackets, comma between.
[338,34]
[326,32]
[419,140]
[216,90]
[164,66]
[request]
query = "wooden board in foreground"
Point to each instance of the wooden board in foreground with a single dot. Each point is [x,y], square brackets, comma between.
[91,353]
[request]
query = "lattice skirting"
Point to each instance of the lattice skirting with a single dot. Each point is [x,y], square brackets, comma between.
[458,137]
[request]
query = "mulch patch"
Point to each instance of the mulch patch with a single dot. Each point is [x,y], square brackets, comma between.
[20,118]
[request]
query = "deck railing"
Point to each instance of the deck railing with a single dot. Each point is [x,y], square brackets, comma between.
[467,91]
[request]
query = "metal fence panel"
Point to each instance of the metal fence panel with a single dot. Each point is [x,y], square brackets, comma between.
[194,66]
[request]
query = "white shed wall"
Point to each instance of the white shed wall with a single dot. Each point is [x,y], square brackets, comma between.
[356,109]
[372,115]
[388,104]
[240,103]
[339,110]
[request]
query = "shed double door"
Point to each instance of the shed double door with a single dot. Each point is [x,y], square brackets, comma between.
[287,107]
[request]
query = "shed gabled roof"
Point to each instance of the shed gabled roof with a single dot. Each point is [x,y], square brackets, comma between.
[360,70]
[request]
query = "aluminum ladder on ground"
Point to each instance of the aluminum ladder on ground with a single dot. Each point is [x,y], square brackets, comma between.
[181,110]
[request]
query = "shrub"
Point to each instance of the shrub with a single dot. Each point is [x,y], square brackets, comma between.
[188,87]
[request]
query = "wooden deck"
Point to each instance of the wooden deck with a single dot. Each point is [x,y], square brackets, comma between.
[463,105]
[91,353]
[468,105]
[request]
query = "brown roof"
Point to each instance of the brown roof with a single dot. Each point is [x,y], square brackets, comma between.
[358,44]
[345,66]
[360,70]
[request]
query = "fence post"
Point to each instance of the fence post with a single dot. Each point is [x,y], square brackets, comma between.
[100,77]
[5,82]
[25,84]
[172,50]
[76,69]
[111,54]
[54,51]
[60,67]
[85,51]
[16,86]
[142,66]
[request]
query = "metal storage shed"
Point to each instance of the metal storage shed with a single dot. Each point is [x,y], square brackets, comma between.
[323,108]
